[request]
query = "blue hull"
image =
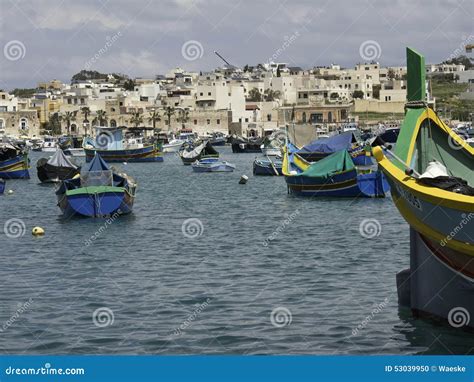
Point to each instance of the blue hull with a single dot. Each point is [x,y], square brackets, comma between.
[145,154]
[363,160]
[95,205]
[15,168]
[266,169]
[344,185]
[2,186]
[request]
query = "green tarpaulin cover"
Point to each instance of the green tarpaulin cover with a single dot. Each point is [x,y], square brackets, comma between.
[337,162]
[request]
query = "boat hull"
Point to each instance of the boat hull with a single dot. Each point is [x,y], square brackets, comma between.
[172,148]
[433,288]
[52,174]
[213,167]
[96,202]
[2,186]
[15,168]
[343,185]
[245,148]
[144,154]
[264,168]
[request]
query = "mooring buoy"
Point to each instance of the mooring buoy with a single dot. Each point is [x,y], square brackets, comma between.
[37,231]
[243,179]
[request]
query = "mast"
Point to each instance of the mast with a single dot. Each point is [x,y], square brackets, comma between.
[416,75]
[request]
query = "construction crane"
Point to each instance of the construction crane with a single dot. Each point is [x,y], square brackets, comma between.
[223,59]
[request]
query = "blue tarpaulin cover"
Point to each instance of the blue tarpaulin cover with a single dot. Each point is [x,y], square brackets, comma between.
[329,145]
[97,164]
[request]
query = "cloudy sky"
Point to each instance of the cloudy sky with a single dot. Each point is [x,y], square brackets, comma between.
[53,39]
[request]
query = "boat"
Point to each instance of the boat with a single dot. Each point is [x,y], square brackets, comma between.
[112,147]
[242,145]
[218,139]
[272,144]
[268,166]
[14,163]
[97,191]
[432,184]
[56,168]
[2,186]
[173,146]
[191,152]
[322,147]
[333,176]
[49,144]
[212,165]
[72,146]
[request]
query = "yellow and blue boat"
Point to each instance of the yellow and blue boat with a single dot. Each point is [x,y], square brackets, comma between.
[431,174]
[14,163]
[111,146]
[333,176]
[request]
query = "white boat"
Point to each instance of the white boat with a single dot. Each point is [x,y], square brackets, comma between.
[173,146]
[212,165]
[50,144]
[270,151]
[75,152]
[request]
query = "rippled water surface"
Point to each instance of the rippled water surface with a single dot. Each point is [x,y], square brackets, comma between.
[160,283]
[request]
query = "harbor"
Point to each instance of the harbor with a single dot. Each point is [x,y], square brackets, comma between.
[313,205]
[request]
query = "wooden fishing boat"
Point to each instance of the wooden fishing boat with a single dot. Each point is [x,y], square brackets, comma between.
[270,166]
[435,209]
[56,168]
[432,179]
[212,165]
[14,162]
[242,145]
[109,143]
[333,176]
[192,152]
[97,192]
[2,186]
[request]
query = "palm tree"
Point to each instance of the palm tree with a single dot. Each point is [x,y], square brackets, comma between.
[154,117]
[85,111]
[183,117]
[136,119]
[68,116]
[169,111]
[101,117]
[271,95]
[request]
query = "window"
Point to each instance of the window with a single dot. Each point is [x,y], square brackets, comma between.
[69,101]
[218,121]
[304,117]
[73,128]
[269,117]
[246,119]
[208,121]
[208,93]
[201,94]
[2,123]
[112,109]
[23,123]
[113,123]
[195,121]
[3,96]
[82,101]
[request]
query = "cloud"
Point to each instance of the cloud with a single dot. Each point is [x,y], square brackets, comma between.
[61,36]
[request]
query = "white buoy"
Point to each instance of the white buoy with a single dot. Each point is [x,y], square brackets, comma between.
[37,231]
[10,192]
[125,163]
[243,179]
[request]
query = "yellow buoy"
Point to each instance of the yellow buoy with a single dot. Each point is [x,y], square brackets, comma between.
[37,231]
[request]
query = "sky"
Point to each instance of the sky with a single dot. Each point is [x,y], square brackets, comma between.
[43,40]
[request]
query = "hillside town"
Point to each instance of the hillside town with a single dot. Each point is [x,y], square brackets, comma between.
[249,101]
